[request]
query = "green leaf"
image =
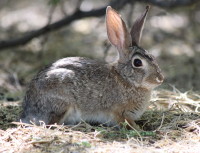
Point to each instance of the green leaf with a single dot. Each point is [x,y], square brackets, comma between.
[86,144]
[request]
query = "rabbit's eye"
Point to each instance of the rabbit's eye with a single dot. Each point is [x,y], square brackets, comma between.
[137,62]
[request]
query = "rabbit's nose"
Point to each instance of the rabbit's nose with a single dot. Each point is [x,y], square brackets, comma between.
[160,78]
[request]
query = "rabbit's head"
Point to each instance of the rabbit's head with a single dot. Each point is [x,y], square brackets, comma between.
[135,64]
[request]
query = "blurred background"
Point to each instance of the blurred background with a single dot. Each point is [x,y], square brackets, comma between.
[171,34]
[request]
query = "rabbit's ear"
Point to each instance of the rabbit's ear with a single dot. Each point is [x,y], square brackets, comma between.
[118,33]
[136,31]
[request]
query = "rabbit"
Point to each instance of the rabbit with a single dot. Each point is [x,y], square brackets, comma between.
[74,89]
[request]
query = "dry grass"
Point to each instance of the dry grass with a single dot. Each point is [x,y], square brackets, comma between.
[172,123]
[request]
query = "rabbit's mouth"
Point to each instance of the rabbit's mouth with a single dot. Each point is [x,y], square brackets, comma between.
[160,81]
[151,82]
[160,78]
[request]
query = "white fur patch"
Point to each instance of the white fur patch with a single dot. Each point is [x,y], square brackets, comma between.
[61,73]
[74,116]
[159,81]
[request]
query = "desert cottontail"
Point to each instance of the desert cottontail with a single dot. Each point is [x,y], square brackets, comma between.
[76,88]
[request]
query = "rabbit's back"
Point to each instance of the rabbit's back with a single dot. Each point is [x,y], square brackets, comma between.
[76,72]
